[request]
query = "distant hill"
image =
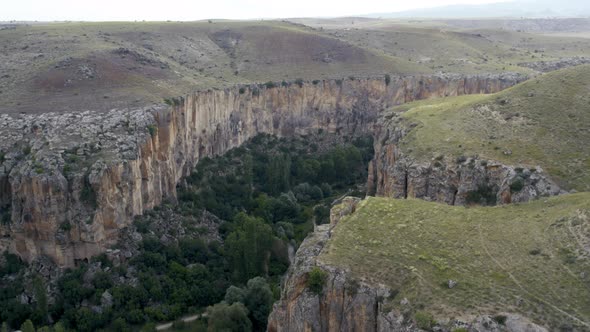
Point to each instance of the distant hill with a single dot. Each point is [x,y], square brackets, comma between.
[519,8]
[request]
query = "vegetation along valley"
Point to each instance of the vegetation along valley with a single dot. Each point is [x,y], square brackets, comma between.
[295,167]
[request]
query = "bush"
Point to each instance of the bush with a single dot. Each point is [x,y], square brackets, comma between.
[387,79]
[242,90]
[65,226]
[315,82]
[299,82]
[315,280]
[224,317]
[152,129]
[461,159]
[27,150]
[424,320]
[27,326]
[178,324]
[270,85]
[484,195]
[517,184]
[500,319]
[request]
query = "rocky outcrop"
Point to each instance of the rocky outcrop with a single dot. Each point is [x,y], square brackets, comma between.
[69,182]
[547,66]
[459,181]
[349,304]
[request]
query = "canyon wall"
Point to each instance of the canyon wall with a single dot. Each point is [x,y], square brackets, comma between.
[471,180]
[70,181]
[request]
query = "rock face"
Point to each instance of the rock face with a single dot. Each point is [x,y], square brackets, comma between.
[347,304]
[69,182]
[344,305]
[393,173]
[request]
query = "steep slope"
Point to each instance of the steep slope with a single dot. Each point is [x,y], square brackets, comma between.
[453,150]
[396,265]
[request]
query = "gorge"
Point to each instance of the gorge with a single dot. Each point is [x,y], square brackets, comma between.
[68,188]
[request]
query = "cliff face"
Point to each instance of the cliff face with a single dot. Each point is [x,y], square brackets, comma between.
[70,181]
[349,304]
[393,173]
[344,305]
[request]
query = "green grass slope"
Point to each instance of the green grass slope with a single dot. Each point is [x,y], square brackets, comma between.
[542,122]
[531,259]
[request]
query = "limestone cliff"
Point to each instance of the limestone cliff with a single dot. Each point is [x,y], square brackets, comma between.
[395,173]
[70,181]
[349,304]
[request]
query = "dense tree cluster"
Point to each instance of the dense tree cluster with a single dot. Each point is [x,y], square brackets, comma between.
[269,192]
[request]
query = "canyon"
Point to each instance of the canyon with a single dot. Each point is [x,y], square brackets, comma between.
[70,182]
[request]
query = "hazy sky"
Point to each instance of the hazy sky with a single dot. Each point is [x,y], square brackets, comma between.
[93,10]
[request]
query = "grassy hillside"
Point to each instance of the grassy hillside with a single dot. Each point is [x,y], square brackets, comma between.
[524,258]
[465,46]
[542,122]
[72,66]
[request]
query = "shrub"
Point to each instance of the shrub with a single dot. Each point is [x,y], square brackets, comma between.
[424,320]
[535,252]
[224,317]
[315,280]
[517,184]
[27,150]
[152,129]
[242,90]
[178,324]
[387,79]
[269,85]
[2,157]
[299,82]
[315,82]
[484,195]
[461,159]
[87,194]
[65,226]
[500,319]
[255,92]
[27,326]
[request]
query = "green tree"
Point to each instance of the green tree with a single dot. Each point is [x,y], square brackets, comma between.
[40,313]
[278,173]
[59,327]
[234,294]
[27,326]
[259,302]
[248,247]
[223,317]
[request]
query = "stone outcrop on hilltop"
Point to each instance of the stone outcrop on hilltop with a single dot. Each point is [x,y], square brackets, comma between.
[69,182]
[394,173]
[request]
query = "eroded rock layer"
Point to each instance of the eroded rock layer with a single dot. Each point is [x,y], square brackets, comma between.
[70,181]
[455,181]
